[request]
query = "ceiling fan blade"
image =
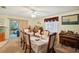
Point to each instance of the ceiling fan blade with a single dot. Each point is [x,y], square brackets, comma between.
[28,7]
[34,10]
[3,7]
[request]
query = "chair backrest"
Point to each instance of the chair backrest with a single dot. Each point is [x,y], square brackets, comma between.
[46,33]
[51,42]
[21,35]
[27,39]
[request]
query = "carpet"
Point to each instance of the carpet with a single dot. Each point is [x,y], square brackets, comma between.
[13,46]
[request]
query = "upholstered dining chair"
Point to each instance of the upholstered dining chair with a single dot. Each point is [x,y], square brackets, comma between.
[51,43]
[21,38]
[27,44]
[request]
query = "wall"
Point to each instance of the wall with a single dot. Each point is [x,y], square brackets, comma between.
[36,21]
[23,24]
[74,28]
[5,20]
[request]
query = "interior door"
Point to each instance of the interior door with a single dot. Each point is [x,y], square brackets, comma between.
[23,24]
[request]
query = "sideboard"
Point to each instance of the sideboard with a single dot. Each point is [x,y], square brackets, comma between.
[69,40]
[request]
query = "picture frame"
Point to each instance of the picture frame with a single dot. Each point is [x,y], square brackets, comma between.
[70,19]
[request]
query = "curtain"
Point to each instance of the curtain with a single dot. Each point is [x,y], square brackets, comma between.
[52,25]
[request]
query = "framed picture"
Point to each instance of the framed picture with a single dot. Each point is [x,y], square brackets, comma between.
[70,19]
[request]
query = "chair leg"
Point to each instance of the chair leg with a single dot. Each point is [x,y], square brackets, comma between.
[75,49]
[21,42]
[23,45]
[25,49]
[53,50]
[30,50]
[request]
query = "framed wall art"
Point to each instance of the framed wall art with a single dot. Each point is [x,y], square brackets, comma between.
[70,19]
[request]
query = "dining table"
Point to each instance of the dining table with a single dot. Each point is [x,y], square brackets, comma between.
[39,44]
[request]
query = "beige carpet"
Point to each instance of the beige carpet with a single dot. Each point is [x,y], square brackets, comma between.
[65,49]
[3,43]
[12,46]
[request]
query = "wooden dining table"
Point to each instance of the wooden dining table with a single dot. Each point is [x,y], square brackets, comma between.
[39,44]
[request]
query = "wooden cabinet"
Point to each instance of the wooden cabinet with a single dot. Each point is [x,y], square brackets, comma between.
[69,40]
[2,36]
[2,33]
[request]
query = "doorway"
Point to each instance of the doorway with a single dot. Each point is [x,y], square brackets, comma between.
[14,28]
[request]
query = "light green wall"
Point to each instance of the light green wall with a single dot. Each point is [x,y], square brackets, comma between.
[5,20]
[74,28]
[35,21]
[2,23]
[7,28]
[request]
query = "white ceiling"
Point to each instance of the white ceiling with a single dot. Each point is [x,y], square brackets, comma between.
[26,11]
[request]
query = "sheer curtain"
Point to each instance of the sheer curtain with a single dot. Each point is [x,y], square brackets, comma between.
[52,26]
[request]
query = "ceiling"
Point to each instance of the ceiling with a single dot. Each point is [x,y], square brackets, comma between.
[41,11]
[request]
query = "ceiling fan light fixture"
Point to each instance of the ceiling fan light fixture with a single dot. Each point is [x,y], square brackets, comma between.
[36,13]
[33,16]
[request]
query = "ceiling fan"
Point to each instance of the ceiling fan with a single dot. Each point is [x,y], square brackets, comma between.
[34,9]
[35,12]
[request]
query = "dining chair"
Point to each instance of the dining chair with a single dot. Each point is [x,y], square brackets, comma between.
[51,43]
[22,38]
[27,44]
